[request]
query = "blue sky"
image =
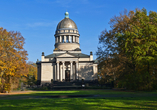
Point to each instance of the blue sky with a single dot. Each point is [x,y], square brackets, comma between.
[37,20]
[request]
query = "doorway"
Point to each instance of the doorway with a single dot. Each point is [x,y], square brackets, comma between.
[67,75]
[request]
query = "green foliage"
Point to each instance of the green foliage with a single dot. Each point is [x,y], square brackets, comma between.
[129,50]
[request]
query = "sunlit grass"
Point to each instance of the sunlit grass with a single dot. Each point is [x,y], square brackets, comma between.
[75,92]
[141,100]
[80,104]
[86,92]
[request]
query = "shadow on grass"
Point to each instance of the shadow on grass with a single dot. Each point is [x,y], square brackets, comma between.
[81,103]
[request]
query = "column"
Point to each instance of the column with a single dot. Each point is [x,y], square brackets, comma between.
[58,70]
[78,39]
[73,38]
[71,70]
[63,70]
[76,69]
[60,38]
[57,39]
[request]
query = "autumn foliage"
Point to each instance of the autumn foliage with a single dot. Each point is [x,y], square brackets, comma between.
[128,52]
[12,58]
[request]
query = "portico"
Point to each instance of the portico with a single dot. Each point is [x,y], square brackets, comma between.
[67,70]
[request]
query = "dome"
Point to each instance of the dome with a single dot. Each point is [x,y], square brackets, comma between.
[67,35]
[66,23]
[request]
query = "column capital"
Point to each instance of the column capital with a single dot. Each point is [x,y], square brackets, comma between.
[63,61]
[57,61]
[71,61]
[76,61]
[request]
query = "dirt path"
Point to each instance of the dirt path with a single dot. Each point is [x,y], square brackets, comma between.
[15,93]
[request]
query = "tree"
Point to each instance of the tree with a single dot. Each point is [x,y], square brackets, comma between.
[131,45]
[31,77]
[12,57]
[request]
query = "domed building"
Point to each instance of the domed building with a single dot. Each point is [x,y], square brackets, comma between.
[66,63]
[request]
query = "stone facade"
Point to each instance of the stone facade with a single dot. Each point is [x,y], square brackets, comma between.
[67,63]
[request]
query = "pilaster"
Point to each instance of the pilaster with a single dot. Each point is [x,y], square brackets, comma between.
[58,70]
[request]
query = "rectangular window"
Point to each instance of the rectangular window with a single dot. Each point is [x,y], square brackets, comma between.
[66,30]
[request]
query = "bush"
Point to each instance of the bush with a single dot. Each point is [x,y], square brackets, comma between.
[7,87]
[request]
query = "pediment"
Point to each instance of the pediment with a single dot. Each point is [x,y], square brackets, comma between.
[66,55]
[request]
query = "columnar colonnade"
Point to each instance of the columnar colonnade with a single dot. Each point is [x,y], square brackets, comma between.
[66,39]
[61,68]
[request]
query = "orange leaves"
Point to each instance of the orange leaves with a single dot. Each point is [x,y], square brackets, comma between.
[12,53]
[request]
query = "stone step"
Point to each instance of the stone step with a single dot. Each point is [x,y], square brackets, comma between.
[66,87]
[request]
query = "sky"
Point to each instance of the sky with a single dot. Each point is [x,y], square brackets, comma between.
[37,20]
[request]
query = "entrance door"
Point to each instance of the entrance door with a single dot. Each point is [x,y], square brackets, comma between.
[67,75]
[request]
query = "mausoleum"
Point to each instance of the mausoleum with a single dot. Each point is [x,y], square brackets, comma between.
[67,63]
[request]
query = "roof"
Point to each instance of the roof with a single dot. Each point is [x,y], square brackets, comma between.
[80,55]
[95,61]
[66,23]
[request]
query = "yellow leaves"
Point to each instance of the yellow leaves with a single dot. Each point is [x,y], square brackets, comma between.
[12,54]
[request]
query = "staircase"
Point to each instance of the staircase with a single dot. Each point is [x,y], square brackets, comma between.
[73,85]
[67,85]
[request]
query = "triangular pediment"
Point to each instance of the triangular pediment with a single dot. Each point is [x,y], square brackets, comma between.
[66,55]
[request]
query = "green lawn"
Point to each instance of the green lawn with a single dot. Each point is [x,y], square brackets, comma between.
[141,100]
[86,92]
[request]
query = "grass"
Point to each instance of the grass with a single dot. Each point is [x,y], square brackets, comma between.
[76,92]
[142,100]
[84,92]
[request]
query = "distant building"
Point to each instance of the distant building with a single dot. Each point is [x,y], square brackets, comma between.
[66,63]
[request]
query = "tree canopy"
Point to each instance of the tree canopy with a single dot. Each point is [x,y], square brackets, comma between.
[12,57]
[129,50]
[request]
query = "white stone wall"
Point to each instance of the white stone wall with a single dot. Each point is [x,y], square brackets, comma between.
[68,51]
[95,71]
[86,71]
[67,46]
[49,59]
[46,72]
[54,71]
[84,59]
